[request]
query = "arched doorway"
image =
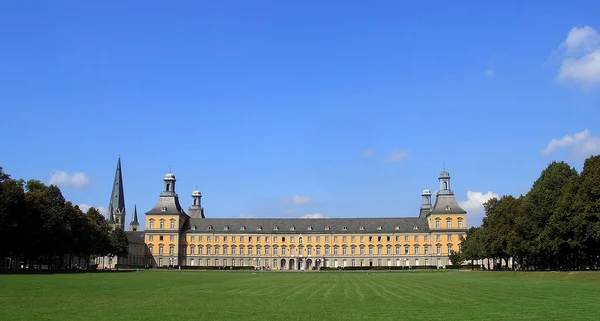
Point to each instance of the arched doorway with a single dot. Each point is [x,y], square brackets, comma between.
[309,263]
[318,264]
[282,264]
[291,264]
[300,264]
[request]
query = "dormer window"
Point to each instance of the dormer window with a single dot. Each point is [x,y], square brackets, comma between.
[379,228]
[310,228]
[362,228]
[292,228]
[226,228]
[397,228]
[327,228]
[344,228]
[194,228]
[276,228]
[164,209]
[415,227]
[447,207]
[210,227]
[259,228]
[242,228]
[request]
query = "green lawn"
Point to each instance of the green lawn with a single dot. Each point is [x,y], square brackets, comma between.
[217,295]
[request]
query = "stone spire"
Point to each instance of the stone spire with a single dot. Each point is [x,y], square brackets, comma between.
[134,225]
[116,206]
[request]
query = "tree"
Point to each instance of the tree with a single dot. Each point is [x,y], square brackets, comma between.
[456,258]
[119,242]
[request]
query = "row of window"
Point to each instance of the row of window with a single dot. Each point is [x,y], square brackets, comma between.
[309,239]
[286,265]
[300,251]
[438,223]
[172,224]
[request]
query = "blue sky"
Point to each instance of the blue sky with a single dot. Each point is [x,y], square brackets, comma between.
[347,108]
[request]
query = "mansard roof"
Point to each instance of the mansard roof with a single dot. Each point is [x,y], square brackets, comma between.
[167,204]
[446,204]
[307,225]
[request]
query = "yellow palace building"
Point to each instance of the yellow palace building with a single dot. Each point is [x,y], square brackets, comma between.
[174,237]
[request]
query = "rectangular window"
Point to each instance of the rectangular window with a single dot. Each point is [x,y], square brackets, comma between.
[199,238]
[397,238]
[448,224]
[283,239]
[216,238]
[241,238]
[344,251]
[388,238]
[335,238]
[327,251]
[397,250]
[362,239]
[172,238]
[274,239]
[266,239]
[208,238]
[192,238]
[291,239]
[335,251]
[250,239]
[426,238]
[344,239]
[370,239]
[353,250]
[310,251]
[224,238]
[233,238]
[406,238]
[353,239]
[379,239]
[275,251]
[449,237]
[426,250]
[258,239]
[416,238]
[318,250]
[370,250]
[362,250]
[460,223]
[327,239]
[438,238]
[309,239]
[150,237]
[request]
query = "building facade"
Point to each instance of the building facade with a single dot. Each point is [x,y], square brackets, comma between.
[173,237]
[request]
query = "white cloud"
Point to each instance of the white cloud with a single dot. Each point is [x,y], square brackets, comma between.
[475,200]
[580,54]
[581,144]
[489,72]
[298,200]
[313,215]
[474,206]
[395,156]
[85,207]
[368,152]
[62,179]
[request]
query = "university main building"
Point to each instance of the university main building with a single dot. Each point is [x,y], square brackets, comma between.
[174,237]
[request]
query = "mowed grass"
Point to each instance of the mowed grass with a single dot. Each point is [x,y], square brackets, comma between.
[218,295]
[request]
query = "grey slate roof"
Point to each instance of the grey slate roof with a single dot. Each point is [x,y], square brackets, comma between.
[307,225]
[136,237]
[170,201]
[443,201]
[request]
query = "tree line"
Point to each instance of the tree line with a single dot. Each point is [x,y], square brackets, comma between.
[40,229]
[555,226]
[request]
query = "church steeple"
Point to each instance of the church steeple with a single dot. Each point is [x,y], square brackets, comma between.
[134,225]
[426,202]
[116,206]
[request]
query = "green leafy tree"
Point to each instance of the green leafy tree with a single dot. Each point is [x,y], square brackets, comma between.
[119,242]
